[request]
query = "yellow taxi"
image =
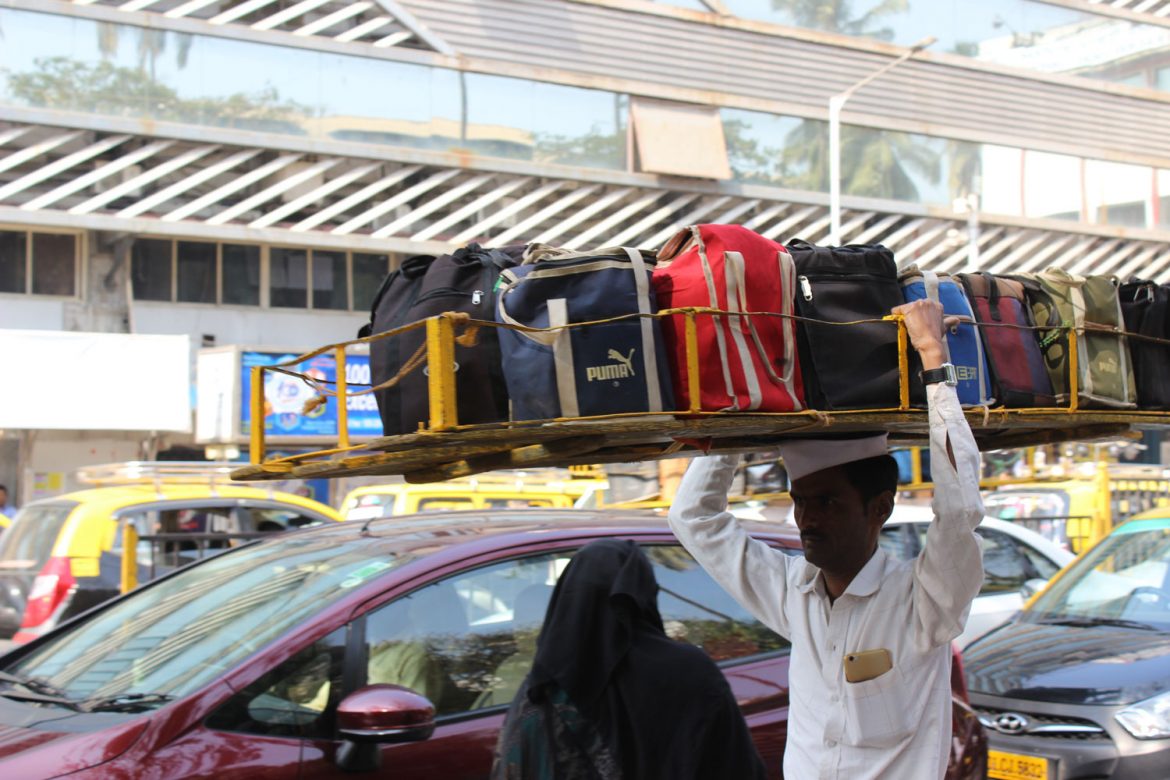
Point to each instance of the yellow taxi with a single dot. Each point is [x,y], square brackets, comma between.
[63,555]
[518,490]
[1079,511]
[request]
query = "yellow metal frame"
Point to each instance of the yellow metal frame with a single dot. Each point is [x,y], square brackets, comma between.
[129,557]
[445,330]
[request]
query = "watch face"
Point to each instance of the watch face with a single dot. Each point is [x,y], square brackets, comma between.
[952,376]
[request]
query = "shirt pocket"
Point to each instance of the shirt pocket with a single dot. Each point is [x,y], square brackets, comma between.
[877,712]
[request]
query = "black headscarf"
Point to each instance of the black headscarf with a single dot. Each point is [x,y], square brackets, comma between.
[663,707]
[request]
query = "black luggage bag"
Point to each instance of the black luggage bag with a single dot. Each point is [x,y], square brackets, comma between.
[464,281]
[854,367]
[391,304]
[424,286]
[1145,307]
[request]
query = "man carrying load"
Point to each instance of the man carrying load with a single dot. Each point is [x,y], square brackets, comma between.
[871,658]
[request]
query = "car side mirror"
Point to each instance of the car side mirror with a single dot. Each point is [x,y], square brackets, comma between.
[1032,587]
[380,715]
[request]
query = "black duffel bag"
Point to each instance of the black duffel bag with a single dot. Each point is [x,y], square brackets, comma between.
[855,366]
[1145,307]
[464,281]
[391,304]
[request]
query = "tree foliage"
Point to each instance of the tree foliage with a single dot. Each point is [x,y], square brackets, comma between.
[105,88]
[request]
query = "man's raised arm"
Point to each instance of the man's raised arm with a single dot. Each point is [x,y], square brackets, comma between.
[752,572]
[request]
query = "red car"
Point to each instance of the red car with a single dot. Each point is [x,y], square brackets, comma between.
[345,648]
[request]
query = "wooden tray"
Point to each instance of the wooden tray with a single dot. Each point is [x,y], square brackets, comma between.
[446,449]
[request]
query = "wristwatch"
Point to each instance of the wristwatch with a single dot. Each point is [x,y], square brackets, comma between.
[945,373]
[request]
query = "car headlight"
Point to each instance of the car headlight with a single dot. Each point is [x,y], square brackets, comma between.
[1149,719]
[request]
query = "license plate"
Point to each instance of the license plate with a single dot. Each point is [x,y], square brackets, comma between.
[1013,766]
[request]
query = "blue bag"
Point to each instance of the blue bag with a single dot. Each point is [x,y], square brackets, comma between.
[963,342]
[609,368]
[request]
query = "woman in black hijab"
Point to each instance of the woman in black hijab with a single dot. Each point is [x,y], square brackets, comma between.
[611,696]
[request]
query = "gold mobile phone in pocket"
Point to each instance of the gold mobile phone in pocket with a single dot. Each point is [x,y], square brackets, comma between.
[867,664]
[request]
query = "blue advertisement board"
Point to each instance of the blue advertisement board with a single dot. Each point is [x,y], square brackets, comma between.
[285,397]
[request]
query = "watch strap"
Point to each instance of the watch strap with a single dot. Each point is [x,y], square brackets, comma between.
[944,373]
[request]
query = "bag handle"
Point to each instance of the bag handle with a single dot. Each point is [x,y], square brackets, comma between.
[678,243]
[741,293]
[547,338]
[649,348]
[992,295]
[930,282]
[535,253]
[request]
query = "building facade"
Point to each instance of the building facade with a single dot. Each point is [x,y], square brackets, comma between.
[245,172]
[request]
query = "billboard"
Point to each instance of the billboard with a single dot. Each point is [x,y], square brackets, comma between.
[285,397]
[95,381]
[224,412]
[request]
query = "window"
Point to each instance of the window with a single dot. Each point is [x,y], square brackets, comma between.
[1119,194]
[13,261]
[1008,564]
[695,609]
[368,273]
[465,642]
[274,519]
[30,538]
[296,699]
[329,280]
[196,272]
[54,264]
[444,503]
[241,274]
[38,263]
[288,274]
[1052,185]
[516,503]
[899,540]
[150,262]
[209,273]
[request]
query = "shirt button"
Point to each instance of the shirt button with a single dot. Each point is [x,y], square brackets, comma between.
[833,698]
[831,743]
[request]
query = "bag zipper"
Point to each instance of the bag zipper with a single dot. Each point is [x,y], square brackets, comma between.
[805,287]
[822,275]
[441,292]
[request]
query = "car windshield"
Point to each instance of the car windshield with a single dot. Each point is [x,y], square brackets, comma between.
[1044,511]
[28,543]
[182,633]
[1124,580]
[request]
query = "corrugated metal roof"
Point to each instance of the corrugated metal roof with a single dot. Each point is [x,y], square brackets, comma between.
[651,49]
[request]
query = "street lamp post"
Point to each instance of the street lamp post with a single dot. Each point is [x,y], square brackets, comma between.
[836,102]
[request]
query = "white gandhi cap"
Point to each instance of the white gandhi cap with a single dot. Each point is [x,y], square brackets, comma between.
[808,456]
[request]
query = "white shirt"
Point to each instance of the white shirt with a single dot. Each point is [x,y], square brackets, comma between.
[897,725]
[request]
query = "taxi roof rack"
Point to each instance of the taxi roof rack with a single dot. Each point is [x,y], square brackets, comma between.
[157,472]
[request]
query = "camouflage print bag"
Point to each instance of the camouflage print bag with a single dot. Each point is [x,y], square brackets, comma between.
[1090,304]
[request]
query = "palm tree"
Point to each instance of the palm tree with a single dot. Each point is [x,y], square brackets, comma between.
[874,163]
[838,16]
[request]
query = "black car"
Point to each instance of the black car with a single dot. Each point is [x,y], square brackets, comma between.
[1078,684]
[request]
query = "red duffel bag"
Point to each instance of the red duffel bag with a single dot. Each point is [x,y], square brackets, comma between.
[745,363]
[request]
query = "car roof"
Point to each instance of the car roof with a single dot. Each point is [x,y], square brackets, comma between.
[1157,513]
[116,497]
[445,531]
[923,514]
[511,487]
